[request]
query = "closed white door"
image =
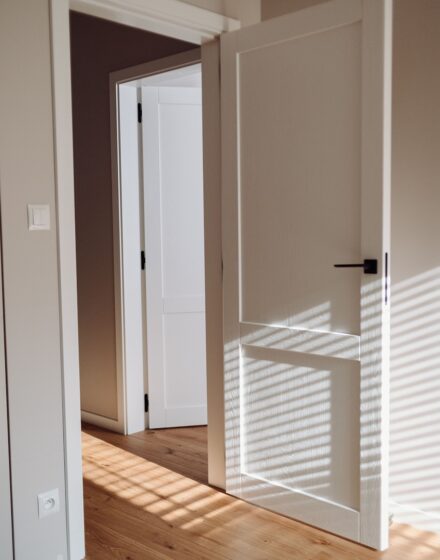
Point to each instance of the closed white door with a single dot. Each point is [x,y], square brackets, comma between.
[175,286]
[306,156]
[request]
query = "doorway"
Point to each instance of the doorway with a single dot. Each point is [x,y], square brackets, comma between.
[97,324]
[158,181]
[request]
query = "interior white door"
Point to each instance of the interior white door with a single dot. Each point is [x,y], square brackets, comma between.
[175,285]
[306,156]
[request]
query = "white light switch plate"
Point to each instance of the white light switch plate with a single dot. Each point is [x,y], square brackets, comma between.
[38,217]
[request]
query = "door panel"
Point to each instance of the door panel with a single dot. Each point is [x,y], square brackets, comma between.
[288,276]
[305,149]
[172,143]
[310,416]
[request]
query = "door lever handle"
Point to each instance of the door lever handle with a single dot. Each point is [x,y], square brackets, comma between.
[369,266]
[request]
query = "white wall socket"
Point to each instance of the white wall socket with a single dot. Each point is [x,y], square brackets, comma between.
[48,503]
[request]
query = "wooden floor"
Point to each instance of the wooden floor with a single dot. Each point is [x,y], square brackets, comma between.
[146,497]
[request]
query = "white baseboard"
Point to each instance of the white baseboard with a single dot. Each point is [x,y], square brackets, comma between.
[408,515]
[102,422]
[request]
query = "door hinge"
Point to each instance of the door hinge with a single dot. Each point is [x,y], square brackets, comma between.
[146,402]
[139,112]
[143,260]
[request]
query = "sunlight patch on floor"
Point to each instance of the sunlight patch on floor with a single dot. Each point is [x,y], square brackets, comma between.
[238,529]
[148,486]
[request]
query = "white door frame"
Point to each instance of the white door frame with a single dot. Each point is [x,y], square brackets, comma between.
[128,291]
[171,18]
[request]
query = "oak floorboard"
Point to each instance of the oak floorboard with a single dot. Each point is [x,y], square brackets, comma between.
[147,498]
[184,450]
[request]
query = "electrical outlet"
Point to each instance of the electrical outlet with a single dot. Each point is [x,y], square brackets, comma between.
[48,503]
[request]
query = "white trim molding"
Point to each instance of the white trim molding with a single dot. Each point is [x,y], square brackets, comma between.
[172,18]
[103,422]
[408,514]
[65,197]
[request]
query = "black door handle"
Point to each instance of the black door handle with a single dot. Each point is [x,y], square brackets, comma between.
[369,266]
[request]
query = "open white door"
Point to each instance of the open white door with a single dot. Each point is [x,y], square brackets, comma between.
[175,286]
[306,161]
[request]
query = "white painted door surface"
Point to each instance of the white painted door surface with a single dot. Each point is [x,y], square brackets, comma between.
[305,134]
[173,178]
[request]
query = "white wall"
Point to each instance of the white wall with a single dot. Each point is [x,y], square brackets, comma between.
[30,268]
[415,309]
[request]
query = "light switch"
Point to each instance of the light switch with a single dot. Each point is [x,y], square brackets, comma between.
[38,217]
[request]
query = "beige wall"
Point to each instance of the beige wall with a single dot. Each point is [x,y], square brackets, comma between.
[415,262]
[274,8]
[30,270]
